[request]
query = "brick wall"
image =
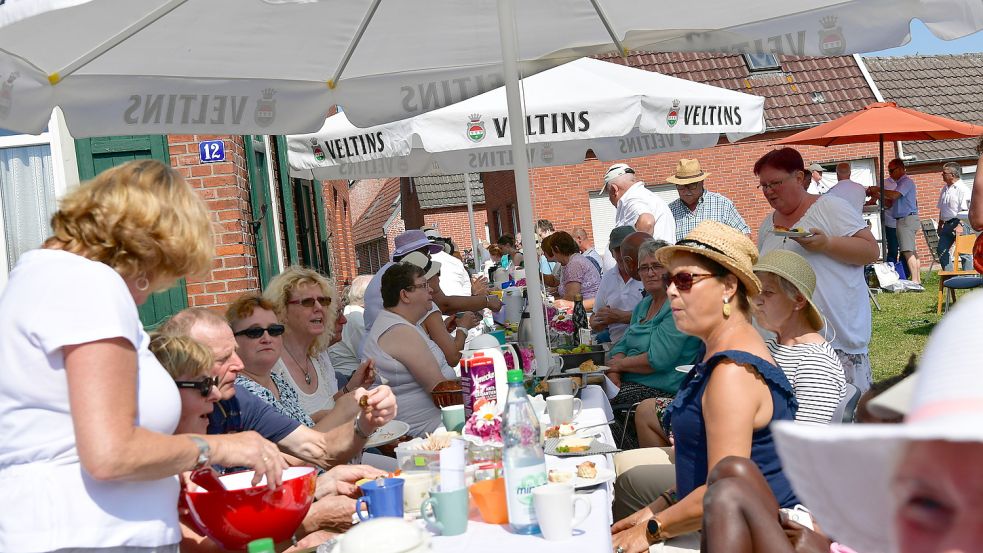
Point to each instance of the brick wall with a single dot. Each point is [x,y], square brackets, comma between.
[928,182]
[337,208]
[225,189]
[453,222]
[362,194]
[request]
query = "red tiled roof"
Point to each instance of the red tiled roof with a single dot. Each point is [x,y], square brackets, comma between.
[805,92]
[370,225]
[949,86]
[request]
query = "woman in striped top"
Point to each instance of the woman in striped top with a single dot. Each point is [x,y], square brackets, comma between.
[785,307]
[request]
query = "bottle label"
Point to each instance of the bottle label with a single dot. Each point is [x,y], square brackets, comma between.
[520,482]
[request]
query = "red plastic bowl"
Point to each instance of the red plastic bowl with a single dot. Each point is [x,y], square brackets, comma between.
[244,513]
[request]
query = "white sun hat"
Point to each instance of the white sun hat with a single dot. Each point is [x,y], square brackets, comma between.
[842,473]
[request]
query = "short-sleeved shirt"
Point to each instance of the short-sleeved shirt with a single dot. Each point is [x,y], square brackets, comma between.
[853,192]
[907,204]
[710,207]
[816,375]
[247,412]
[889,220]
[287,404]
[56,299]
[639,200]
[841,290]
[953,200]
[454,278]
[580,269]
[344,354]
[616,293]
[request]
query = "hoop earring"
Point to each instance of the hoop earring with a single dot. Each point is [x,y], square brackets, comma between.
[142,284]
[726,308]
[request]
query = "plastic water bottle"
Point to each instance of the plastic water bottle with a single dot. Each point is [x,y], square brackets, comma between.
[522,459]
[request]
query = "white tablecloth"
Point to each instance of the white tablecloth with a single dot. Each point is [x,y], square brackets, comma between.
[593,535]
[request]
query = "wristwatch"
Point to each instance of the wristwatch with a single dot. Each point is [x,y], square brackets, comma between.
[653,531]
[204,452]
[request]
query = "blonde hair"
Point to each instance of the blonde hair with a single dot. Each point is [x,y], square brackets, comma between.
[355,293]
[278,293]
[142,219]
[181,356]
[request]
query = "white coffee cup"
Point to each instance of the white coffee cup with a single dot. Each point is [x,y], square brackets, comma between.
[556,510]
[563,409]
[416,488]
[560,386]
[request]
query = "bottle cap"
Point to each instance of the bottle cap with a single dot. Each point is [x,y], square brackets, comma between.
[514,375]
[262,545]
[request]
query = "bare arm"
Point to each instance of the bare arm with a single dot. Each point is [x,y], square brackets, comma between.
[859,249]
[102,384]
[638,364]
[453,304]
[976,202]
[450,345]
[407,347]
[645,223]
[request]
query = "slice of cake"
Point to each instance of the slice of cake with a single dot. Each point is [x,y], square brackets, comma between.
[587,469]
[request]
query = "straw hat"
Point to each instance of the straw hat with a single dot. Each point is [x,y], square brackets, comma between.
[723,244]
[687,171]
[795,269]
[429,266]
[843,472]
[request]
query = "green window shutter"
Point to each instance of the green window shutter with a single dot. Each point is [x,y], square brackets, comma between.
[287,196]
[95,155]
[261,203]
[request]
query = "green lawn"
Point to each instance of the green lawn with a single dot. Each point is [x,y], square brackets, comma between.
[902,327]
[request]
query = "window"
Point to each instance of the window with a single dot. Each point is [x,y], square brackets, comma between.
[512,219]
[498,222]
[762,62]
[27,196]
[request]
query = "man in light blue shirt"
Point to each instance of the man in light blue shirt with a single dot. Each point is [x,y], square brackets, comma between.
[905,210]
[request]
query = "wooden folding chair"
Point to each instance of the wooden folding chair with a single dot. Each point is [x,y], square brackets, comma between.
[964,245]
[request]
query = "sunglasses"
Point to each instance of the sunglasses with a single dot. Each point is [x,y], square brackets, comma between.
[256,332]
[204,386]
[685,281]
[309,302]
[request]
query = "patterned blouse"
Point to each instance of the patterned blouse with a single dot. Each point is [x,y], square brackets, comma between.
[287,405]
[580,269]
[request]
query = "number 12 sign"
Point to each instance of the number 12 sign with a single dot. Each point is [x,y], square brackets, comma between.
[211,151]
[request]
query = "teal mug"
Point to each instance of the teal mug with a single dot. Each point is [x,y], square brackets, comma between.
[447,511]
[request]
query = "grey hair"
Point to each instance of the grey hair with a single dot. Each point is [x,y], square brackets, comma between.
[649,247]
[355,293]
[954,168]
[789,289]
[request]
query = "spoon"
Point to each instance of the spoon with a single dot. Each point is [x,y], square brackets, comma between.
[207,478]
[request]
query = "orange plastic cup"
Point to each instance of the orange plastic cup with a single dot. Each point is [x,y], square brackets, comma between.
[489,496]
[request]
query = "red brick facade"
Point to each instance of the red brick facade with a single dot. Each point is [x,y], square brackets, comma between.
[341,242]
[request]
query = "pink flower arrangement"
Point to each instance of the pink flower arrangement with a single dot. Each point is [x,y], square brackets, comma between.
[485,423]
[562,323]
[526,356]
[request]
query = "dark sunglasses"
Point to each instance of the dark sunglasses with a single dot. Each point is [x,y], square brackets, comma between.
[309,302]
[256,332]
[204,386]
[685,281]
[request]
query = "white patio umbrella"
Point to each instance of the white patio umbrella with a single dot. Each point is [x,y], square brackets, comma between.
[252,66]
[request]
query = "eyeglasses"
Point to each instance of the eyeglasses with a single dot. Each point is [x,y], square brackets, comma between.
[309,302]
[691,187]
[413,287]
[771,185]
[256,332]
[685,281]
[650,268]
[204,386]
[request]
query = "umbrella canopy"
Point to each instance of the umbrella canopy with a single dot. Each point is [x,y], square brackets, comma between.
[122,67]
[587,104]
[879,122]
[883,121]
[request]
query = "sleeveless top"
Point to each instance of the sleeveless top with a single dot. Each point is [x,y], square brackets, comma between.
[685,417]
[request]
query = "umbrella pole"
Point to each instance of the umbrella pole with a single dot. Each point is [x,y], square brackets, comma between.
[475,250]
[517,128]
[881,204]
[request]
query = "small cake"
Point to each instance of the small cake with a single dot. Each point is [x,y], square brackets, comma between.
[573,445]
[587,470]
[557,431]
[588,366]
[559,476]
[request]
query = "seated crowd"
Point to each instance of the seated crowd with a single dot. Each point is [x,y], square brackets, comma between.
[728,353]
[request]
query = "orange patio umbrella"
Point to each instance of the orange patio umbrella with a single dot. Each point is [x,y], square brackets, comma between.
[883,121]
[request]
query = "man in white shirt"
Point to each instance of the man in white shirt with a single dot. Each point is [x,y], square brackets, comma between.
[953,203]
[454,277]
[852,192]
[618,293]
[816,186]
[586,245]
[636,205]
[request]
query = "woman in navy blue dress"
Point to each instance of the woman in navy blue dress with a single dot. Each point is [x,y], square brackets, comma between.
[727,401]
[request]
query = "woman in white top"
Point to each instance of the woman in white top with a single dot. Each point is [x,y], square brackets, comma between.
[344,354]
[306,303]
[87,459]
[785,307]
[399,347]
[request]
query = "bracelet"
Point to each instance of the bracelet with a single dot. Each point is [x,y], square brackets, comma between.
[358,429]
[670,497]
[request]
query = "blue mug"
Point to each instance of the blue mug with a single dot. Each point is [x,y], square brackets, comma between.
[381,500]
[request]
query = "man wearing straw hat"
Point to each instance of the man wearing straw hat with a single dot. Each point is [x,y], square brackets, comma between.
[637,206]
[696,204]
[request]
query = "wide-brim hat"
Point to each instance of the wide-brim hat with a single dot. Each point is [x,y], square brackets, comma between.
[723,244]
[796,270]
[687,171]
[843,473]
[430,267]
[413,240]
[895,401]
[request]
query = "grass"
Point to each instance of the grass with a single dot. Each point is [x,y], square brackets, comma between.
[902,327]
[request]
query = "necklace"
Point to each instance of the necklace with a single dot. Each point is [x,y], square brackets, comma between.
[303,368]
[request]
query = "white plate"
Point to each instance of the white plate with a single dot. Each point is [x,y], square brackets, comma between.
[603,475]
[389,433]
[601,369]
[792,233]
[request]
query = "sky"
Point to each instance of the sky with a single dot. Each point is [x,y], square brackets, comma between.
[925,43]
